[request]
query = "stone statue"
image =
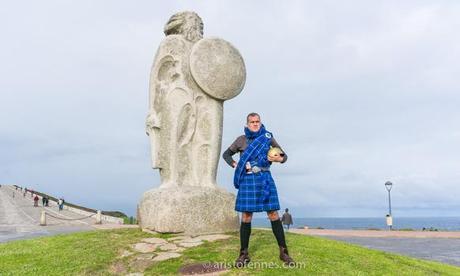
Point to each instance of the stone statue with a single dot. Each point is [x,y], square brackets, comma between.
[190,79]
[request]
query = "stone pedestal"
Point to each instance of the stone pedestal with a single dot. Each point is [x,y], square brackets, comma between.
[188,209]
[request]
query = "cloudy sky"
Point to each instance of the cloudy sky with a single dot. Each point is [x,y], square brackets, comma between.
[357,93]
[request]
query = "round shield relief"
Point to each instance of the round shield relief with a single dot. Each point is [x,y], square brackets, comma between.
[218,68]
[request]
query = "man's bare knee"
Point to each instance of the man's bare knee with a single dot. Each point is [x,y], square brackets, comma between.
[273,215]
[246,217]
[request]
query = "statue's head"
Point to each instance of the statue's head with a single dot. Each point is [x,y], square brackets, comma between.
[187,23]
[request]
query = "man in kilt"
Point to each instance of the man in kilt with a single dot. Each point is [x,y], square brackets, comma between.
[256,187]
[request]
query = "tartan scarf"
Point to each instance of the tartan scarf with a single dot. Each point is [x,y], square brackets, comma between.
[255,151]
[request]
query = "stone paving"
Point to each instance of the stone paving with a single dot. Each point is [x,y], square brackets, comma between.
[149,251]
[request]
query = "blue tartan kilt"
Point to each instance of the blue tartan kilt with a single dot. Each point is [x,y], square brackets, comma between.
[249,198]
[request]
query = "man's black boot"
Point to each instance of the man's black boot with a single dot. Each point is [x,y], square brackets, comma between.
[243,259]
[284,256]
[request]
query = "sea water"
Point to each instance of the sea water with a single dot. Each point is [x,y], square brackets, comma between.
[414,223]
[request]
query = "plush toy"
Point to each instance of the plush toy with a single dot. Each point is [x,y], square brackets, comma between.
[275,152]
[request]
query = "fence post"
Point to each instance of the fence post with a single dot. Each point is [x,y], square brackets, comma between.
[98,217]
[43,218]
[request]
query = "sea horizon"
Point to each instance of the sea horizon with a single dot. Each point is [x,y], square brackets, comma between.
[439,223]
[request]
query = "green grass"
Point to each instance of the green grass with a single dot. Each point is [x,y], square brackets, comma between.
[79,253]
[129,220]
[93,253]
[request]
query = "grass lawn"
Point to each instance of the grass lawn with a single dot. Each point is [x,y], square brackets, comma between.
[95,253]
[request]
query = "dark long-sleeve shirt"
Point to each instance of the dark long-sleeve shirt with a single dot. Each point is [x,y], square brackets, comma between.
[240,144]
[287,219]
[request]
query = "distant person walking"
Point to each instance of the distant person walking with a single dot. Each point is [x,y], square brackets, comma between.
[61,204]
[287,218]
[36,201]
[43,201]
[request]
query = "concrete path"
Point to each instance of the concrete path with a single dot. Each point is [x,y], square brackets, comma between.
[435,246]
[19,219]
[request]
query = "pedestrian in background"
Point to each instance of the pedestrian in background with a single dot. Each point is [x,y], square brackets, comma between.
[61,204]
[287,218]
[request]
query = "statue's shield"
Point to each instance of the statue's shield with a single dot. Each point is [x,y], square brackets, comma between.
[218,68]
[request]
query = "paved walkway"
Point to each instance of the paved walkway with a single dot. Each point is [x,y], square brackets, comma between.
[19,219]
[435,246]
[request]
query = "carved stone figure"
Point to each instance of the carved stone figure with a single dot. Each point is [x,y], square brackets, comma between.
[190,79]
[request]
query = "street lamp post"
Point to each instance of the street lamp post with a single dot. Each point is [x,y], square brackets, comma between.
[388,186]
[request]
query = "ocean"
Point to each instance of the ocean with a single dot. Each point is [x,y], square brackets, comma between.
[415,223]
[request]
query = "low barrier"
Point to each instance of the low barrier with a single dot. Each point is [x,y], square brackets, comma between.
[45,213]
[86,213]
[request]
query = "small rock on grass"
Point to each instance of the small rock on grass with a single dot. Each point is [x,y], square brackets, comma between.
[125,253]
[179,249]
[168,246]
[155,240]
[140,265]
[166,256]
[190,244]
[118,268]
[145,256]
[188,240]
[214,237]
[144,247]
